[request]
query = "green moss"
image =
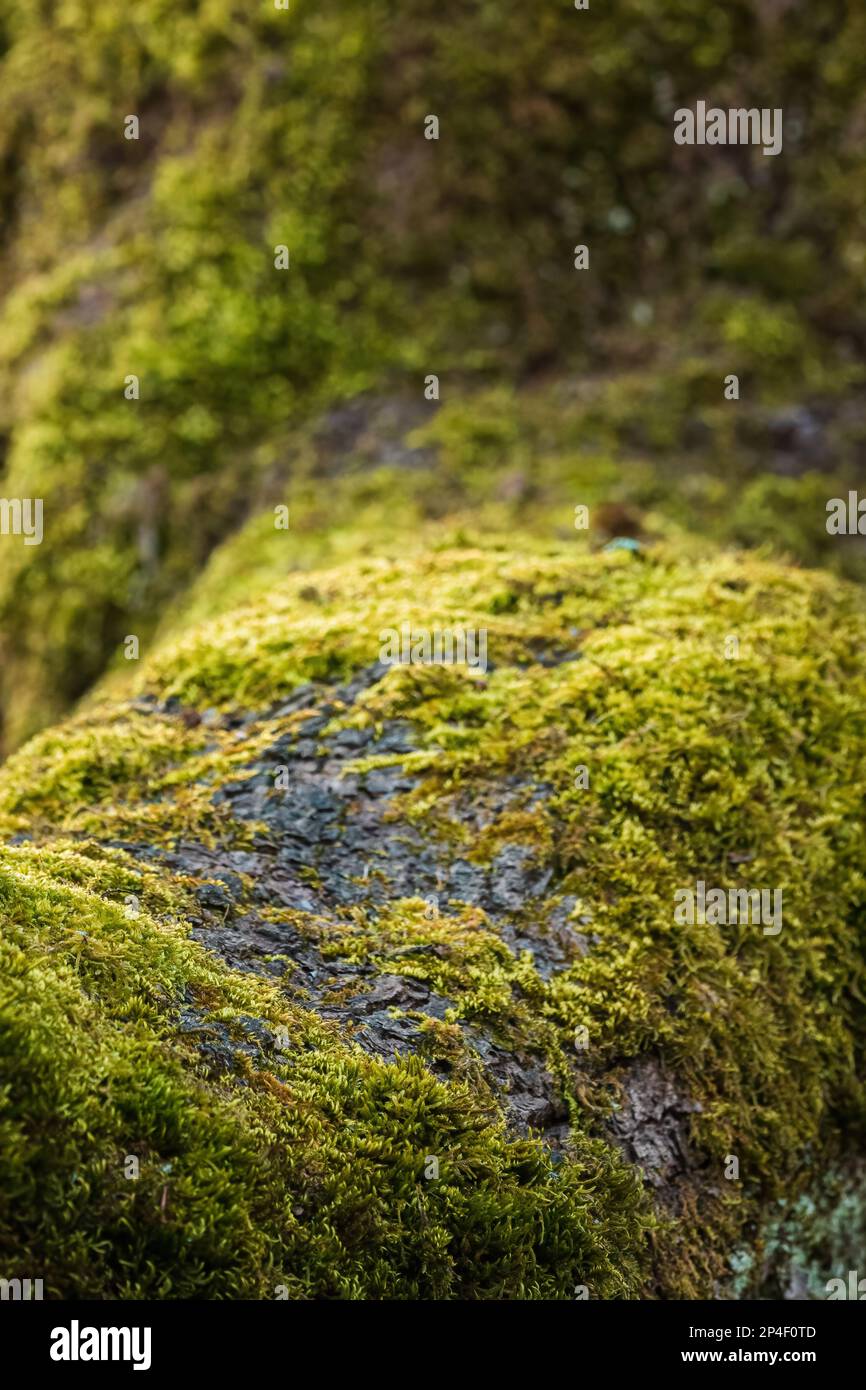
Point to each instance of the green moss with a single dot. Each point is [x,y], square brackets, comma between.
[306,130]
[740,772]
[164,265]
[306,1170]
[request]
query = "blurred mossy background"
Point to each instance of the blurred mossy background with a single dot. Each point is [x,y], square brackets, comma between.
[305,128]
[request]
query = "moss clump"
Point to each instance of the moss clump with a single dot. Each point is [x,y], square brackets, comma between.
[743,772]
[399,264]
[303,1168]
